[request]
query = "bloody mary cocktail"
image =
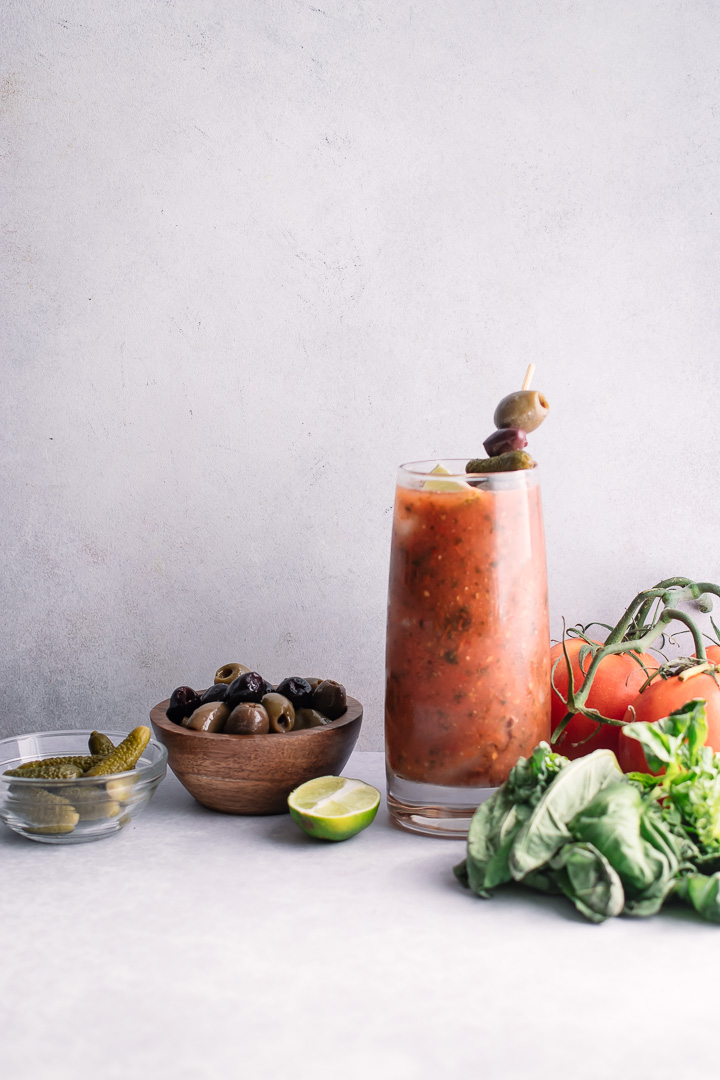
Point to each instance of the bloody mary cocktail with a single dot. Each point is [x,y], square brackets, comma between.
[468,649]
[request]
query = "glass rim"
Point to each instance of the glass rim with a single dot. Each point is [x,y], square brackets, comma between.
[412,468]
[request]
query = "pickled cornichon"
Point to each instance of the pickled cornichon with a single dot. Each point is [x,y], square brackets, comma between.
[509,462]
[44,771]
[81,761]
[44,812]
[100,744]
[125,756]
[91,803]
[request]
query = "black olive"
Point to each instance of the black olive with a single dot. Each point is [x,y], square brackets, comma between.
[216,692]
[509,438]
[297,690]
[330,699]
[250,686]
[183,701]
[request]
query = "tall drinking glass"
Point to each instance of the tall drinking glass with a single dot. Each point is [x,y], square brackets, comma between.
[468,644]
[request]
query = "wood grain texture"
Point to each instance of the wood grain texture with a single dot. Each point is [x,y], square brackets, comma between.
[254,774]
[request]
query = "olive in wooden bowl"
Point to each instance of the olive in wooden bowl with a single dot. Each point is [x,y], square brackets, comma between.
[254,774]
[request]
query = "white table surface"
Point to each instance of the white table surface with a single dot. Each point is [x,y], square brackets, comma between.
[195,944]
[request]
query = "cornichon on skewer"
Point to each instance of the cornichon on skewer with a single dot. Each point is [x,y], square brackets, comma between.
[125,756]
[510,462]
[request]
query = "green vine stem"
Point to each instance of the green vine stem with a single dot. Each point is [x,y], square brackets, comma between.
[634,634]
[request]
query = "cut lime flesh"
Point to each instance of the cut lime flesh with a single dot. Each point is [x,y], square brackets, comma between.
[442,485]
[333,807]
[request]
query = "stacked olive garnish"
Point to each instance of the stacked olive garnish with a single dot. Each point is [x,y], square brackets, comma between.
[516,415]
[242,702]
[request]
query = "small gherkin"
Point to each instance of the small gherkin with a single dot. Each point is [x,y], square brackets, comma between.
[125,756]
[64,770]
[92,803]
[508,462]
[44,812]
[82,761]
[100,744]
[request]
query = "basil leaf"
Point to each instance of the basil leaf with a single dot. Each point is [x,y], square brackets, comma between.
[614,824]
[695,796]
[460,872]
[485,840]
[587,878]
[544,880]
[677,739]
[546,830]
[497,820]
[652,901]
[702,893]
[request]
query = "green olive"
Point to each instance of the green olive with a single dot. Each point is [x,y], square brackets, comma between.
[247,718]
[524,409]
[229,673]
[209,717]
[281,712]
[308,718]
[330,699]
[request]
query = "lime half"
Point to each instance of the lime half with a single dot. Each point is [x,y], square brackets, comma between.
[333,807]
[442,485]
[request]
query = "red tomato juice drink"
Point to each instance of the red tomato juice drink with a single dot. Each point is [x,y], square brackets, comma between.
[468,644]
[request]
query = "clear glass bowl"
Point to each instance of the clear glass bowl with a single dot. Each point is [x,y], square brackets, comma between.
[73,811]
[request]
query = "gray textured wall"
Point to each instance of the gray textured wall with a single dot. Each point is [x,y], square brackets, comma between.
[256,254]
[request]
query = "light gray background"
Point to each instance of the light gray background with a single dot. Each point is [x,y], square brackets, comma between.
[256,254]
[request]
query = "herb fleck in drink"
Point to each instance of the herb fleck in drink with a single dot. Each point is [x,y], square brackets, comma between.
[468,650]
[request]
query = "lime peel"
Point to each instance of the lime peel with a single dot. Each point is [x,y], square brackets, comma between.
[333,807]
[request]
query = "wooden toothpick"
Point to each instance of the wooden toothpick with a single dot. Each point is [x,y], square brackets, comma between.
[528,376]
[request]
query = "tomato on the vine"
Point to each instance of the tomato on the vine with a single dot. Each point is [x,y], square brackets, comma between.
[660,698]
[616,683]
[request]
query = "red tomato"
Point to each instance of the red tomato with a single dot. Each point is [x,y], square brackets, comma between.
[661,698]
[713,654]
[615,685]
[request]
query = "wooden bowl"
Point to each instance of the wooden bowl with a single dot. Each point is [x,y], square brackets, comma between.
[254,774]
